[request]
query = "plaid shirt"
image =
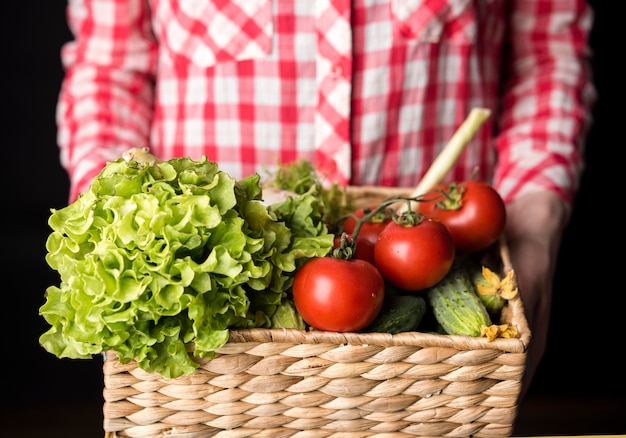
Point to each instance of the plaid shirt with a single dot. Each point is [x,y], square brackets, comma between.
[369,90]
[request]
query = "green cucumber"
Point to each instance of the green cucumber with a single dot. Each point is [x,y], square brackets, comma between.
[455,304]
[400,313]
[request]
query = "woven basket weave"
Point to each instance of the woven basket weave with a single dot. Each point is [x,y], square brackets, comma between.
[290,383]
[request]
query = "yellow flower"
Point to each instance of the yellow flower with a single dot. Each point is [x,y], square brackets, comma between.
[499,331]
[492,285]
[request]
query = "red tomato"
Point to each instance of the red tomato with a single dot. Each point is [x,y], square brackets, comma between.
[473,211]
[363,248]
[414,257]
[338,295]
[370,229]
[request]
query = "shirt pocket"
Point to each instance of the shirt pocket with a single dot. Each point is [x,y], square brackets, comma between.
[206,32]
[435,21]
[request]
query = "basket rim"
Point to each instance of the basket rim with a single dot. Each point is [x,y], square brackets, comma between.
[511,345]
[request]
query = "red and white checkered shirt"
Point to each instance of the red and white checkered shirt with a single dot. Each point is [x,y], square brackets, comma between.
[370,90]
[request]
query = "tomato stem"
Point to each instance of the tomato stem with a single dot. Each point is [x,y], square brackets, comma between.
[452,197]
[346,248]
[383,212]
[408,218]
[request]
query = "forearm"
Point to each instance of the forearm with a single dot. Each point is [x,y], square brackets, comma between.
[534,228]
[95,127]
[105,102]
[547,99]
[535,225]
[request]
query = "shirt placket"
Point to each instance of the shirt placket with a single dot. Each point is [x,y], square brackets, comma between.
[334,71]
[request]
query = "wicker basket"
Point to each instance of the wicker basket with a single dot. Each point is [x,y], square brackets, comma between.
[290,383]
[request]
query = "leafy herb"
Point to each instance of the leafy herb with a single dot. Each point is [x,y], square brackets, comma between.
[160,258]
[301,177]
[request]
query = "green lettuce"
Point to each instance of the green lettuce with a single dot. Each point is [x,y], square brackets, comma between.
[158,262]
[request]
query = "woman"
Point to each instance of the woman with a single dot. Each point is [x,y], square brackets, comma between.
[368,90]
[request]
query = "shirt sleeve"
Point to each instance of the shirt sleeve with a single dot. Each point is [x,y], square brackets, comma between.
[548,95]
[105,102]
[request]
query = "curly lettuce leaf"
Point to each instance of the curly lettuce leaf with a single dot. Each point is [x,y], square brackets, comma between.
[157,259]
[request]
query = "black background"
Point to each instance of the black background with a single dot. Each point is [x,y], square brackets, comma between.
[586,343]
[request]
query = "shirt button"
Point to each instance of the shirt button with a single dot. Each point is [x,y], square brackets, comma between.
[406,31]
[336,71]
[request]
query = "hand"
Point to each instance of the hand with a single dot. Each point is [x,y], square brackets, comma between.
[534,228]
